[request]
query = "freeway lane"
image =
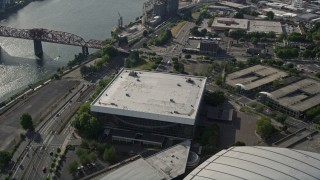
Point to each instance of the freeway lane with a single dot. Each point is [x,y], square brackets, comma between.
[30,164]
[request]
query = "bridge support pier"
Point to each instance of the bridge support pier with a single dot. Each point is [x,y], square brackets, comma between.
[85,51]
[37,47]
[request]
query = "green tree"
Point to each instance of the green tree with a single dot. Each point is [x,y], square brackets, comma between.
[85,159]
[93,156]
[73,168]
[264,127]
[270,15]
[254,40]
[26,121]
[316,35]
[187,56]
[253,61]
[210,22]
[109,154]
[87,125]
[210,136]
[280,117]
[110,51]
[239,143]
[5,158]
[271,34]
[218,80]
[145,33]
[239,15]
[214,98]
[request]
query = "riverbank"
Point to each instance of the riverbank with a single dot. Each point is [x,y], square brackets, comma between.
[7,104]
[13,9]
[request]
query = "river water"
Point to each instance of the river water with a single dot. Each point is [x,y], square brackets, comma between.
[90,19]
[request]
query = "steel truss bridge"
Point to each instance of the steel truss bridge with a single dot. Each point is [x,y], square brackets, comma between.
[39,35]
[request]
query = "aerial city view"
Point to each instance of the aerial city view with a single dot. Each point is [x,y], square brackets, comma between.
[159,89]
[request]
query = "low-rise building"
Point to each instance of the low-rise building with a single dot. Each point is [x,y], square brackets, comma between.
[235,5]
[209,47]
[294,99]
[229,23]
[254,78]
[248,25]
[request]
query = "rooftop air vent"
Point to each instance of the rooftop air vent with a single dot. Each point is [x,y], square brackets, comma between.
[189,80]
[133,74]
[138,80]
[179,85]
[127,94]
[113,104]
[171,100]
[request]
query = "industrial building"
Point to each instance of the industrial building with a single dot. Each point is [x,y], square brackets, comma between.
[254,78]
[258,162]
[295,98]
[151,102]
[229,23]
[265,26]
[234,5]
[248,25]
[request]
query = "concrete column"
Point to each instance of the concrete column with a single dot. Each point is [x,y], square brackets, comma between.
[37,47]
[85,51]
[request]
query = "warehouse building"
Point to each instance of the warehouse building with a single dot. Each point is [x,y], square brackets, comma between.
[259,162]
[151,102]
[220,24]
[294,99]
[254,78]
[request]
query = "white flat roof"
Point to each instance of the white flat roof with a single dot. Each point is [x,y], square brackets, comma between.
[152,95]
[265,26]
[259,162]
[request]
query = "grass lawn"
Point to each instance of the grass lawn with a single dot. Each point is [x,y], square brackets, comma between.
[147,66]
[175,30]
[195,15]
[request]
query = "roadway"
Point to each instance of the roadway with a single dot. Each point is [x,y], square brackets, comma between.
[48,138]
[56,130]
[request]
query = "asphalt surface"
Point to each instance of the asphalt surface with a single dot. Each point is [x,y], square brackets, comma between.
[55,130]
[37,105]
[47,139]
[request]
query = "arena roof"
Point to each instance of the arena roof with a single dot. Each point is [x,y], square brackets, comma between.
[299,96]
[257,162]
[253,77]
[152,95]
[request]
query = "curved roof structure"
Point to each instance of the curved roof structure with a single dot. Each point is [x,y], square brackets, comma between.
[243,87]
[259,162]
[266,93]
